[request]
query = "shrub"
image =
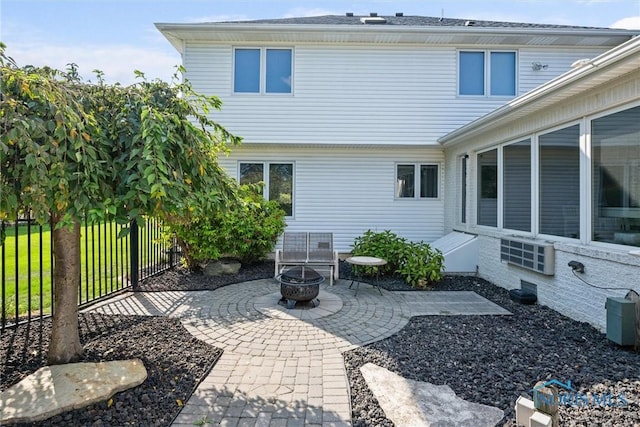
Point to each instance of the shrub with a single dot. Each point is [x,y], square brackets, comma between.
[417,263]
[385,245]
[247,229]
[421,265]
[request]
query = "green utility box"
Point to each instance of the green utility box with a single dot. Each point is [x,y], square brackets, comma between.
[621,321]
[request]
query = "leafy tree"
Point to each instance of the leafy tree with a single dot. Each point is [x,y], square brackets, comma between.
[70,150]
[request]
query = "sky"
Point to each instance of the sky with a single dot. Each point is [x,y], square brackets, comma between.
[119,36]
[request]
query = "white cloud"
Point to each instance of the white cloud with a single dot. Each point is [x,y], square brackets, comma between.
[118,62]
[629,23]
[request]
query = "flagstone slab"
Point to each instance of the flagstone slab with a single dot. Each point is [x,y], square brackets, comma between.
[416,403]
[54,389]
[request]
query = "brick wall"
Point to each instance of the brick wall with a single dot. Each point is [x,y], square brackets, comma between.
[563,291]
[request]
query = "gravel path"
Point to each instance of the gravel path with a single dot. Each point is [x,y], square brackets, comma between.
[485,359]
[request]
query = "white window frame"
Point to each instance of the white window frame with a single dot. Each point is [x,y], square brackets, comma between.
[266,177]
[263,71]
[416,177]
[487,73]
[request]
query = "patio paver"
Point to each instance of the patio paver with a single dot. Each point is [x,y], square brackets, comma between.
[285,367]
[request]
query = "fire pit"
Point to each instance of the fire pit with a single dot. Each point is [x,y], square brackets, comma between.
[300,284]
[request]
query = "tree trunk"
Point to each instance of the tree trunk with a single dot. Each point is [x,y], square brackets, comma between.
[65,344]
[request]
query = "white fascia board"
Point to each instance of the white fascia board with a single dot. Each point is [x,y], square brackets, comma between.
[531,100]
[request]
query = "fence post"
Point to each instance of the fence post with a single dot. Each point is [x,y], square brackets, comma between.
[133,255]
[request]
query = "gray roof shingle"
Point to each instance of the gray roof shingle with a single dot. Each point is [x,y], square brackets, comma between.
[418,21]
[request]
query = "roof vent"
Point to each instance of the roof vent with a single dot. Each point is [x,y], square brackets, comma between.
[374,14]
[349,13]
[373,20]
[399,14]
[469,23]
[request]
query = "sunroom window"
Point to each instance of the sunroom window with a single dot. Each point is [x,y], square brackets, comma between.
[559,182]
[615,153]
[488,188]
[516,186]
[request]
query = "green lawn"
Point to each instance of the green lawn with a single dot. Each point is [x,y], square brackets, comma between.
[104,264]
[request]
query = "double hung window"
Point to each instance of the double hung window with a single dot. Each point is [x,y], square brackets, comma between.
[262,70]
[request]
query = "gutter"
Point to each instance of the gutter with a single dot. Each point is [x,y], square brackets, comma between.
[502,114]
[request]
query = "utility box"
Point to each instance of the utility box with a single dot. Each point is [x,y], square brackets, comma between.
[621,321]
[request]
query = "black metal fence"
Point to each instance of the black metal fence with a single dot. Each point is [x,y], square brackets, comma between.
[109,264]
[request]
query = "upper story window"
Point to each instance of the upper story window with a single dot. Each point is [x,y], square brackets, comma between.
[483,73]
[262,70]
[410,177]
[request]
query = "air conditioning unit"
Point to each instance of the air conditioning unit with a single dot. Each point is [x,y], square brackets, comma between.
[535,256]
[621,320]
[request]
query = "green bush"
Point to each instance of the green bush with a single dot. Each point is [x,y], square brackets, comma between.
[247,229]
[417,263]
[421,265]
[385,245]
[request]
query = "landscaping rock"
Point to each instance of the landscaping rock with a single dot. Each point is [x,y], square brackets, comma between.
[219,267]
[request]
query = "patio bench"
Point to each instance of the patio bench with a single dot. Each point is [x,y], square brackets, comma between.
[313,249]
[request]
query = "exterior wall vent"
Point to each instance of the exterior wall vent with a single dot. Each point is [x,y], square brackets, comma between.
[373,20]
[535,256]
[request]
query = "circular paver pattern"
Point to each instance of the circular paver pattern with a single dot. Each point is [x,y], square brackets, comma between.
[270,306]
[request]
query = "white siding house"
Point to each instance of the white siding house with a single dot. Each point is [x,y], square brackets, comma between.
[365,105]
[356,126]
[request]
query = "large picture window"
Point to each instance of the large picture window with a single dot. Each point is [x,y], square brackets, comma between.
[410,177]
[615,173]
[490,73]
[559,182]
[262,70]
[277,179]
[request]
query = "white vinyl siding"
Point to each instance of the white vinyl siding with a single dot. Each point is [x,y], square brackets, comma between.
[358,94]
[347,190]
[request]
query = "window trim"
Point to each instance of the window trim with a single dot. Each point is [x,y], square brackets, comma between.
[417,180]
[487,73]
[266,178]
[262,83]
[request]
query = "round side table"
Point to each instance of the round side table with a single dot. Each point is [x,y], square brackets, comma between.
[366,261]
